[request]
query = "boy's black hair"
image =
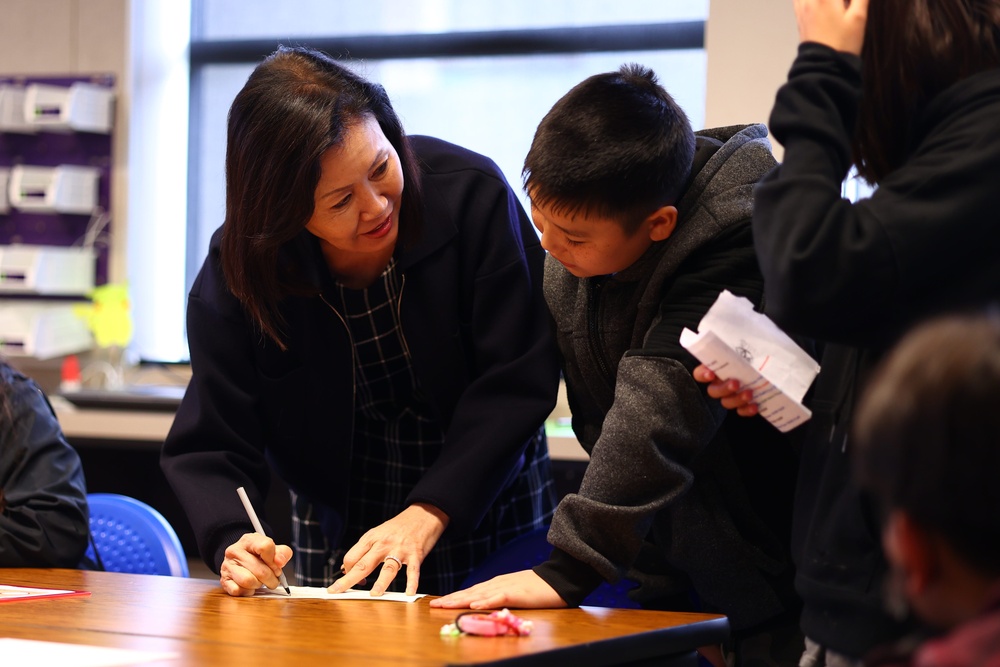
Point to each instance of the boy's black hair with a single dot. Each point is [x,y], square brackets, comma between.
[928,434]
[616,145]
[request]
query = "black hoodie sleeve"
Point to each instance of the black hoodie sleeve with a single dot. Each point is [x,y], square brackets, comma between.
[858,273]
[43,497]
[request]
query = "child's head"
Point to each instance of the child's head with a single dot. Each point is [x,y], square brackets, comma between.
[605,168]
[928,448]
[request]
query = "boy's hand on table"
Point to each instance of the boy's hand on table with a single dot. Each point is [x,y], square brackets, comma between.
[524,589]
[727,391]
[254,561]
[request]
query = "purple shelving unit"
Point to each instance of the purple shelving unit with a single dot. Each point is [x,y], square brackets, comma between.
[47,148]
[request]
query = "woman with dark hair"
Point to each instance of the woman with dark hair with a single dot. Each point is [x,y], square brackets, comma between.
[43,495]
[368,325]
[908,91]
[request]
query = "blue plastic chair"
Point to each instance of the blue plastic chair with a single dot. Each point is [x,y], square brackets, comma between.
[530,549]
[130,536]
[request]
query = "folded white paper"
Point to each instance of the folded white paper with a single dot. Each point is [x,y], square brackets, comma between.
[320,593]
[736,342]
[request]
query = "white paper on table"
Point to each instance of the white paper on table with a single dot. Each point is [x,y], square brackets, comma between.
[320,593]
[735,341]
[34,652]
[9,593]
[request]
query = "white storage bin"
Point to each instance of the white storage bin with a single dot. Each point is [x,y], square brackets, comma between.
[42,330]
[81,107]
[12,118]
[62,189]
[48,270]
[4,203]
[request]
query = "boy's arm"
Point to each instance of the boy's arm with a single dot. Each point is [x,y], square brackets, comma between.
[660,420]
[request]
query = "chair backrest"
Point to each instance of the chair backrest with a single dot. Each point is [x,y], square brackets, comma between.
[530,549]
[130,536]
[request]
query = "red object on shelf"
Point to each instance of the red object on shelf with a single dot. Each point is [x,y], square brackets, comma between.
[71,380]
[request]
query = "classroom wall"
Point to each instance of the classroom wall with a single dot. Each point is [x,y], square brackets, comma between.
[750,44]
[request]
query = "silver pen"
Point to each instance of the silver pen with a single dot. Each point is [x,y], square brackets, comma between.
[260,530]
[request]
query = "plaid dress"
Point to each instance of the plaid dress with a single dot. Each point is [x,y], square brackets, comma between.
[395,440]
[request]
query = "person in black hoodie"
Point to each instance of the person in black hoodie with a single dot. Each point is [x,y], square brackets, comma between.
[908,91]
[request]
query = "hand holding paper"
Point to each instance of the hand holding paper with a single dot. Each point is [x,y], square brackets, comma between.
[735,342]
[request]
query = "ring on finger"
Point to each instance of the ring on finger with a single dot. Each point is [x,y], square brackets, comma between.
[399,563]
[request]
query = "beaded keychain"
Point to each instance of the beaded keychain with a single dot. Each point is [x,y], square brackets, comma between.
[487,624]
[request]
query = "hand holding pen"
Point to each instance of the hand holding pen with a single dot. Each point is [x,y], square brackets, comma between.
[254,560]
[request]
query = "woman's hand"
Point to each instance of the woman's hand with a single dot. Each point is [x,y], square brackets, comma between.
[728,392]
[405,539]
[839,24]
[252,562]
[523,589]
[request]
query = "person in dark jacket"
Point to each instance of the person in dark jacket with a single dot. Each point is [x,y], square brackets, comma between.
[926,443]
[44,520]
[646,222]
[369,325]
[908,91]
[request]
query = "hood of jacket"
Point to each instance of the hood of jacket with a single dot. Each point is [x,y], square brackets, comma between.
[728,163]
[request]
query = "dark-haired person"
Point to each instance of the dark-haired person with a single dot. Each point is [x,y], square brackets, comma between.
[645,223]
[369,324]
[926,443]
[44,520]
[908,91]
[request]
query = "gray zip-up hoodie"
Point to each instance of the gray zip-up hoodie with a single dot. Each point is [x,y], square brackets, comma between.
[666,499]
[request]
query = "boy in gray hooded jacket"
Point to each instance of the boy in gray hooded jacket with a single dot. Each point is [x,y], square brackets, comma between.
[645,223]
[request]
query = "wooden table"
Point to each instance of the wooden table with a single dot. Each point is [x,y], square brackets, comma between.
[195,620]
